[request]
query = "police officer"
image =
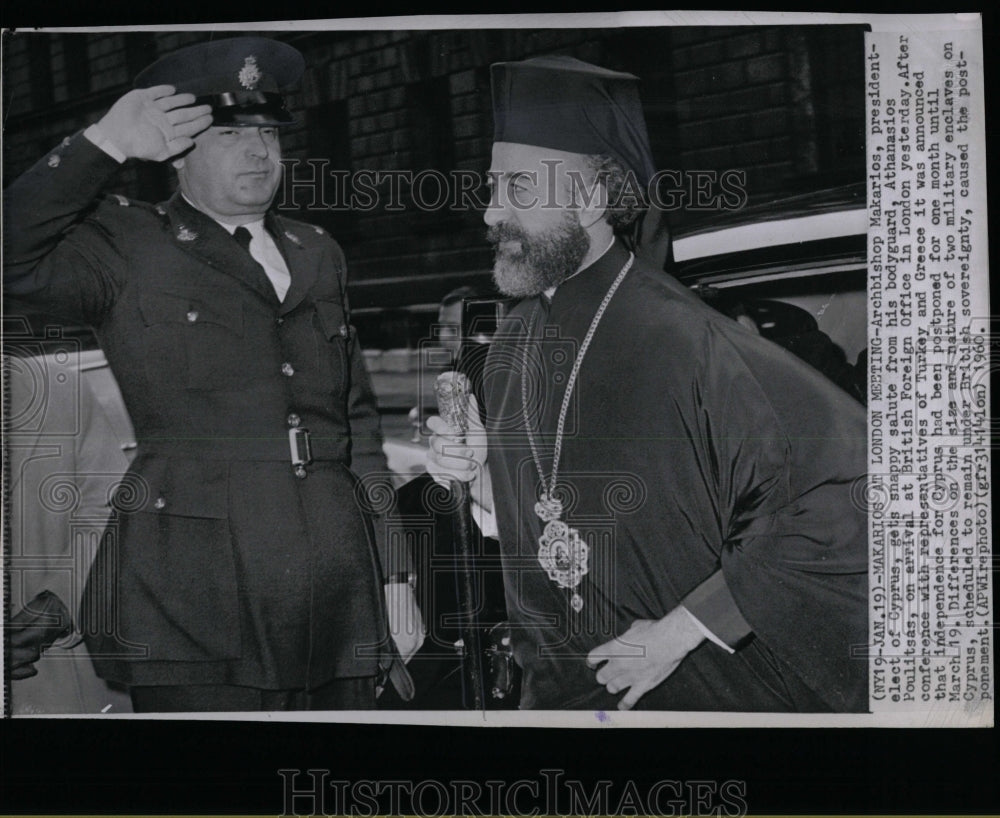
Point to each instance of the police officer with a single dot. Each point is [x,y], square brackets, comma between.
[242,570]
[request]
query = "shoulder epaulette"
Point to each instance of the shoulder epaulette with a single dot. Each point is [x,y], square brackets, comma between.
[118,200]
[299,232]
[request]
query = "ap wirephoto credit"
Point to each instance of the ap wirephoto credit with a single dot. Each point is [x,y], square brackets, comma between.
[616,371]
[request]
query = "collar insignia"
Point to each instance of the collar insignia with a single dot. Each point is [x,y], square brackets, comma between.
[183,234]
[292,238]
[249,74]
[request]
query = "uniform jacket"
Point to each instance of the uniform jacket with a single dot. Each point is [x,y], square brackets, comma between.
[702,465]
[221,566]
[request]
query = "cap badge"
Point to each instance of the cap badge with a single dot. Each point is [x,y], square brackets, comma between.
[249,74]
[183,234]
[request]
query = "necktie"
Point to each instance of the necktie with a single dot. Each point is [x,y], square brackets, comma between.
[243,238]
[268,278]
[261,280]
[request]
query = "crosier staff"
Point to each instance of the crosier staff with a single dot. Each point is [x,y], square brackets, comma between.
[452,391]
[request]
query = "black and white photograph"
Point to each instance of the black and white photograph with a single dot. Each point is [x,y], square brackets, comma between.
[461,373]
[617,380]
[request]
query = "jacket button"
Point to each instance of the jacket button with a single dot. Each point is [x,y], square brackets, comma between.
[279,321]
[192,316]
[287,369]
[294,420]
[160,503]
[54,160]
[343,330]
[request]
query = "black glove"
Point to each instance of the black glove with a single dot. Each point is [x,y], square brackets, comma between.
[33,629]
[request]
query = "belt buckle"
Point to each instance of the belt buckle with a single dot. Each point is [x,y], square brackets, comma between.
[300,449]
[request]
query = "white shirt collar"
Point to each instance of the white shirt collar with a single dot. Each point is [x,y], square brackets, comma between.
[256,227]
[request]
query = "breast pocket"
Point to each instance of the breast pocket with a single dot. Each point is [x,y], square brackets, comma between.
[198,337]
[333,334]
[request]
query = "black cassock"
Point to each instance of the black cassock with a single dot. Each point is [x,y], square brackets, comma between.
[701,464]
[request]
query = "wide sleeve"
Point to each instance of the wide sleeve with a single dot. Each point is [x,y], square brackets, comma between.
[60,250]
[788,446]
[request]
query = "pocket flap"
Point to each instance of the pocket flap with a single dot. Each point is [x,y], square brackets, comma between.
[190,307]
[333,319]
[176,487]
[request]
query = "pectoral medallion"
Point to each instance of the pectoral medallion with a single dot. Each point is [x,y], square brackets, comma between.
[561,551]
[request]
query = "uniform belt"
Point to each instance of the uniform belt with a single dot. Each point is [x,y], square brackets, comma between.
[298,447]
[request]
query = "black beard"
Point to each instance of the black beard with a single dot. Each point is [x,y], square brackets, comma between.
[543,262]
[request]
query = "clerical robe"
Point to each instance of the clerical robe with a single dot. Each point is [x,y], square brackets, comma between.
[702,465]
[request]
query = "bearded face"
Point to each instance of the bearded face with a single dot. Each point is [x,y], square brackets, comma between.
[534,218]
[529,262]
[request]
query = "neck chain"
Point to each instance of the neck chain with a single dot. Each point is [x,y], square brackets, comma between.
[562,552]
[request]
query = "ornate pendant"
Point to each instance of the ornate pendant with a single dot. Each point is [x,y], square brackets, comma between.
[564,556]
[548,508]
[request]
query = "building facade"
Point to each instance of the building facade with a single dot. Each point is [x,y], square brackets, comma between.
[783,106]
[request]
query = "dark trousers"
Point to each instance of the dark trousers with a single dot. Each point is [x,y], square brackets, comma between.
[340,694]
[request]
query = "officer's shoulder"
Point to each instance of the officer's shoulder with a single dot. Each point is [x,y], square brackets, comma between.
[115,205]
[304,232]
[116,213]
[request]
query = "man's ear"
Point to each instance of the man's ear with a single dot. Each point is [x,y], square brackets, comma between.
[594,207]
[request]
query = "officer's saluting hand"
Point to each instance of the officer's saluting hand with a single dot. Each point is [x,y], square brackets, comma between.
[154,123]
